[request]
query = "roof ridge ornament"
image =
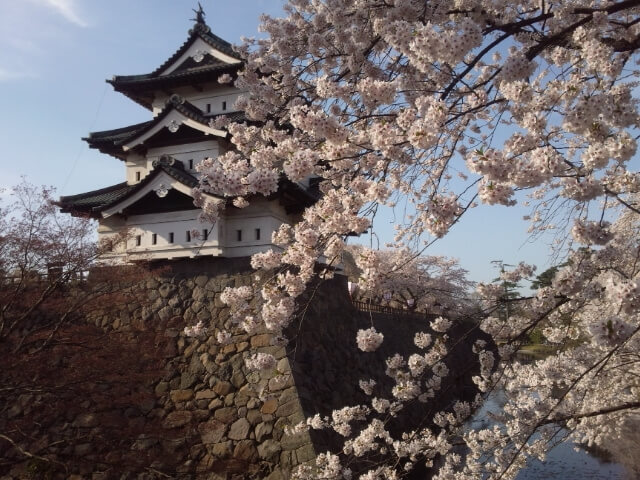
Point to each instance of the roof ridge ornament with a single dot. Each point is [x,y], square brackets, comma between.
[200,26]
[199,14]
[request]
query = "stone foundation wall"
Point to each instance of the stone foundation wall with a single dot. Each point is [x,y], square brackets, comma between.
[231,421]
[202,414]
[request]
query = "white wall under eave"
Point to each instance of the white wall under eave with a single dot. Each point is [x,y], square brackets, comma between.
[265,216]
[181,224]
[112,224]
[136,165]
[259,205]
[222,240]
[110,230]
[221,99]
[185,152]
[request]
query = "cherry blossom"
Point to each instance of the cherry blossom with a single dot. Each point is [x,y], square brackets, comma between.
[369,340]
[260,361]
[429,109]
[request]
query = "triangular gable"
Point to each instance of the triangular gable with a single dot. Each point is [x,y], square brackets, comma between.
[176,113]
[202,57]
[161,181]
[196,50]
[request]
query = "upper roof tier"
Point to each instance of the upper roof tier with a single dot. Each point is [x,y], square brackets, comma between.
[203,57]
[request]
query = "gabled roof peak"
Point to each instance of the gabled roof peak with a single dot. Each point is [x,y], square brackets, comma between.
[201,58]
[200,28]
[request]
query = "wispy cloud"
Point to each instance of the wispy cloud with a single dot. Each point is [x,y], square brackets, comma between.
[67,8]
[7,75]
[30,28]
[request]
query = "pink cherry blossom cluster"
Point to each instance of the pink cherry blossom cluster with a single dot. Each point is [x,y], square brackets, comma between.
[626,294]
[521,271]
[260,361]
[197,330]
[591,233]
[441,324]
[369,340]
[422,340]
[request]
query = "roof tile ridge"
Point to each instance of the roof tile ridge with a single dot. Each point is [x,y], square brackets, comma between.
[183,48]
[187,108]
[107,189]
[220,43]
[115,131]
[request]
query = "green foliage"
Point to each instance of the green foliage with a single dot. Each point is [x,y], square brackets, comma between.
[545,279]
[536,336]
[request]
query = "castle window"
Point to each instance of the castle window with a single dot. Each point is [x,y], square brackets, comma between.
[170,237]
[224,105]
[257,234]
[208,108]
[137,176]
[138,240]
[239,235]
[154,239]
[188,237]
[205,234]
[191,164]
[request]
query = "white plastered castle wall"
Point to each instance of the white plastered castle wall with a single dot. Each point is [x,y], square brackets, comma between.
[164,235]
[214,99]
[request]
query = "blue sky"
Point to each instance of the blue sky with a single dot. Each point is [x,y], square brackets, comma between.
[55,56]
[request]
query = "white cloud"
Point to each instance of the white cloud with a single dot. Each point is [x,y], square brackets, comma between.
[66,8]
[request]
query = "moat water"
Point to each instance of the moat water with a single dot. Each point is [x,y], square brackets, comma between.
[566,461]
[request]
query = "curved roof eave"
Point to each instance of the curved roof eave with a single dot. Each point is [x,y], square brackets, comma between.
[190,115]
[164,171]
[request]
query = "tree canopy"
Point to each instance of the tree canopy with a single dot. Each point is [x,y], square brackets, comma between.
[439,106]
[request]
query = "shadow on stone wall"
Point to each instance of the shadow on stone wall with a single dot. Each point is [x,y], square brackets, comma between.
[327,364]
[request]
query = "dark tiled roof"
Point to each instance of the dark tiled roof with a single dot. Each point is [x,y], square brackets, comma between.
[199,30]
[177,103]
[88,201]
[108,141]
[92,203]
[201,72]
[177,173]
[111,141]
[294,197]
[117,133]
[137,87]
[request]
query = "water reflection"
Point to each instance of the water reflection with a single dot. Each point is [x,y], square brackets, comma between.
[568,460]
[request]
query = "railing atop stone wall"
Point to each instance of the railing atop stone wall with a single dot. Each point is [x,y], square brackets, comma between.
[36,278]
[375,308]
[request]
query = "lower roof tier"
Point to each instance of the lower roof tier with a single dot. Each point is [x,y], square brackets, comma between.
[169,184]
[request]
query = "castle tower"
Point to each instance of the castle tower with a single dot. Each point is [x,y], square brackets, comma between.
[155,202]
